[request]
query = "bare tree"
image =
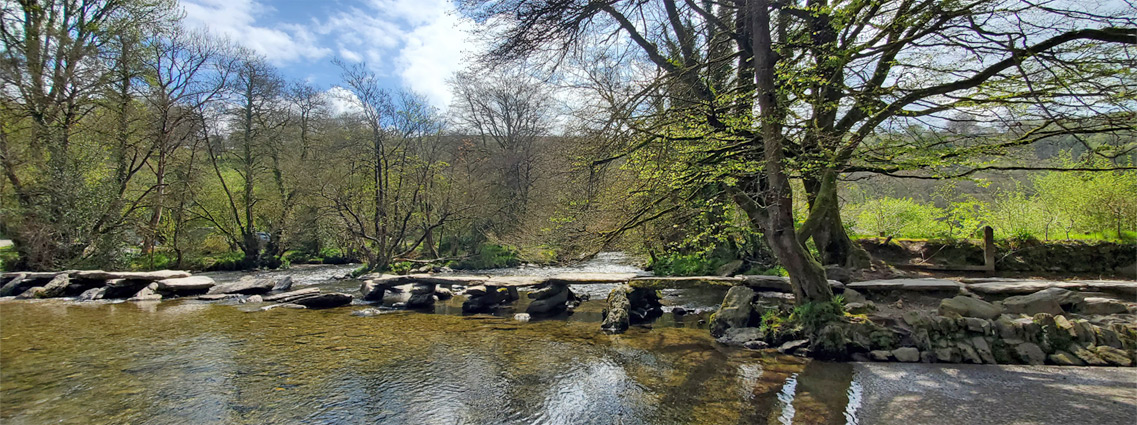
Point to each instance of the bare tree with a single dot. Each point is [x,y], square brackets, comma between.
[508,112]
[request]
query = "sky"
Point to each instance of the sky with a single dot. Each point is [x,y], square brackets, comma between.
[411,44]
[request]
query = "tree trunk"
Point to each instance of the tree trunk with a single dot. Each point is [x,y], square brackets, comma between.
[807,277]
[830,237]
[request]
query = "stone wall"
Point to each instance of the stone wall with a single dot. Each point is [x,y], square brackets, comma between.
[1115,259]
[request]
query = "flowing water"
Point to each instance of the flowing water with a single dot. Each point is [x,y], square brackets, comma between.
[192,362]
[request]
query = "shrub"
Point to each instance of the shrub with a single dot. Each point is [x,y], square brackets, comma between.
[491,256]
[897,217]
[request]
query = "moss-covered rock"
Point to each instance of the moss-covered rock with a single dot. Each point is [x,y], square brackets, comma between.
[734,312]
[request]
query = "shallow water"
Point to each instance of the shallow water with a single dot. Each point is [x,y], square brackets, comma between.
[192,362]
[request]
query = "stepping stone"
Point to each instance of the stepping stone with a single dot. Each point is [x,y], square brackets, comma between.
[1022,287]
[911,285]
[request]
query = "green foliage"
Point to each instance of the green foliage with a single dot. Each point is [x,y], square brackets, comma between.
[1055,205]
[815,315]
[772,322]
[400,267]
[490,256]
[234,260]
[676,264]
[8,258]
[897,217]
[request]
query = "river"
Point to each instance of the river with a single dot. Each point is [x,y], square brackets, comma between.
[193,362]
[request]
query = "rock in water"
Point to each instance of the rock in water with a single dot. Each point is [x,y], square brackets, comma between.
[443,293]
[33,292]
[16,286]
[284,305]
[252,299]
[735,311]
[282,284]
[247,285]
[521,317]
[617,319]
[550,300]
[741,337]
[791,346]
[56,287]
[124,288]
[422,296]
[148,293]
[92,294]
[186,285]
[969,307]
[285,297]
[371,291]
[325,300]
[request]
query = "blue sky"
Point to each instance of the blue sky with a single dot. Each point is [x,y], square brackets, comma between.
[413,44]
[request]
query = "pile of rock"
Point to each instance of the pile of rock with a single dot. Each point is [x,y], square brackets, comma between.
[1052,325]
[550,298]
[90,285]
[628,305]
[484,299]
[421,291]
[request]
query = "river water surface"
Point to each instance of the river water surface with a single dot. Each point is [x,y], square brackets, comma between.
[192,362]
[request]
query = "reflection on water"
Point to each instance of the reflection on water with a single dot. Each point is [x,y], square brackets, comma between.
[189,362]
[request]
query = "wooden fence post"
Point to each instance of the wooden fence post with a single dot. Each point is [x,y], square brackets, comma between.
[988,248]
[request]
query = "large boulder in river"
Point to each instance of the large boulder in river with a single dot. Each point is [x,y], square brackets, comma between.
[616,319]
[1053,301]
[324,300]
[247,285]
[186,285]
[56,287]
[372,291]
[422,296]
[551,299]
[969,307]
[734,312]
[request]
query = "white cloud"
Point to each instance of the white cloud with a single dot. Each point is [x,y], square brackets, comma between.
[342,101]
[235,19]
[432,54]
[420,42]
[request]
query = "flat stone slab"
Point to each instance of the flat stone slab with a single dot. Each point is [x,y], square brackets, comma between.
[661,282]
[587,278]
[514,281]
[185,284]
[1022,287]
[31,275]
[291,295]
[910,285]
[424,278]
[1116,286]
[147,276]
